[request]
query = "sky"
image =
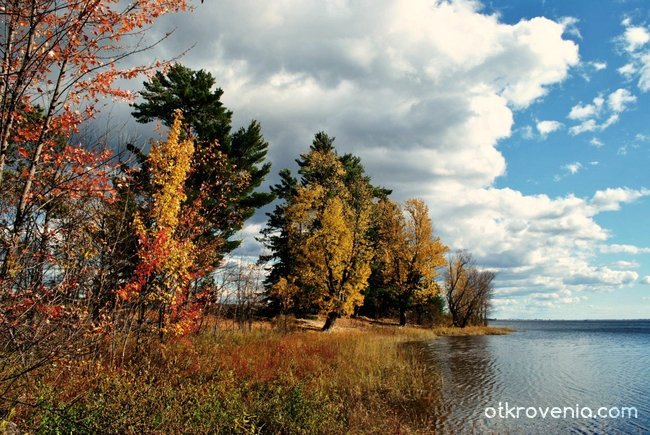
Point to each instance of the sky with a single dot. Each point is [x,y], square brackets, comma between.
[522,124]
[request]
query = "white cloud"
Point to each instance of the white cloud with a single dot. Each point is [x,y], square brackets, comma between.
[619,99]
[588,125]
[423,92]
[571,26]
[627,70]
[596,142]
[527,132]
[599,66]
[635,37]
[646,279]
[644,72]
[634,41]
[623,249]
[611,199]
[581,112]
[588,68]
[591,114]
[573,168]
[546,127]
[622,264]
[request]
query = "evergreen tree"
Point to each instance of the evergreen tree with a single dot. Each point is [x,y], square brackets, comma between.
[238,158]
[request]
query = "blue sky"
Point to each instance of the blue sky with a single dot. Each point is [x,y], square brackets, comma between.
[522,124]
[561,163]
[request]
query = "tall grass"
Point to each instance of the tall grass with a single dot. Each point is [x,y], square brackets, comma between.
[352,381]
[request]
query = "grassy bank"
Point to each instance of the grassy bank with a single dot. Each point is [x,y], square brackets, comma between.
[356,379]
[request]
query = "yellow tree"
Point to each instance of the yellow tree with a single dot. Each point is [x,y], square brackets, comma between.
[166,256]
[285,291]
[409,253]
[328,234]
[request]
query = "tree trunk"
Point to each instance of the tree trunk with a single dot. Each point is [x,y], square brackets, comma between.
[329,322]
[402,315]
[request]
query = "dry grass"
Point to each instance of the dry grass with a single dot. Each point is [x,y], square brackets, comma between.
[361,378]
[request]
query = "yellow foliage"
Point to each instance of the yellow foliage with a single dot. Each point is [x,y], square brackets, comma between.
[285,290]
[332,249]
[166,256]
[410,254]
[169,164]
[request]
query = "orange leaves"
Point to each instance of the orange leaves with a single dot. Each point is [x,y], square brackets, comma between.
[72,40]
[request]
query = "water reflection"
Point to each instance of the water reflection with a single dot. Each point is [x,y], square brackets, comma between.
[455,362]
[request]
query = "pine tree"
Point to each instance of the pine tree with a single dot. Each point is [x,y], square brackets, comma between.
[228,167]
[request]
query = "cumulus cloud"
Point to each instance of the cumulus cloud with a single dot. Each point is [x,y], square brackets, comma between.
[646,279]
[623,249]
[620,99]
[423,92]
[527,132]
[635,37]
[546,127]
[598,116]
[634,41]
[599,66]
[595,142]
[581,112]
[573,168]
[588,68]
[611,199]
[627,70]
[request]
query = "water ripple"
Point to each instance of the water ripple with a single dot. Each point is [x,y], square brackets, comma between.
[544,364]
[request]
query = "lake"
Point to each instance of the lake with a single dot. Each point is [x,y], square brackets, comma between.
[556,372]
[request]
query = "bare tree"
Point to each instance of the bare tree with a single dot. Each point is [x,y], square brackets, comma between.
[468,290]
[241,288]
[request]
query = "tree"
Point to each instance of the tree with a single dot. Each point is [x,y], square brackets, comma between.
[275,235]
[342,176]
[233,199]
[467,290]
[284,290]
[166,257]
[54,53]
[332,252]
[409,254]
[327,223]
[59,60]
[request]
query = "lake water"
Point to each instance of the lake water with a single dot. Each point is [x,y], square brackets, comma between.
[591,366]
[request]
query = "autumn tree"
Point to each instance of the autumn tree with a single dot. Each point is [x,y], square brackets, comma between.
[329,241]
[239,156]
[166,255]
[60,58]
[275,235]
[409,253]
[326,224]
[468,290]
[284,290]
[342,176]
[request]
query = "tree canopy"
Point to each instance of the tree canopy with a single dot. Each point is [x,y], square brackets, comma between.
[240,155]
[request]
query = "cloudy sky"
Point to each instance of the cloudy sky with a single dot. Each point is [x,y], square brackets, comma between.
[523,124]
